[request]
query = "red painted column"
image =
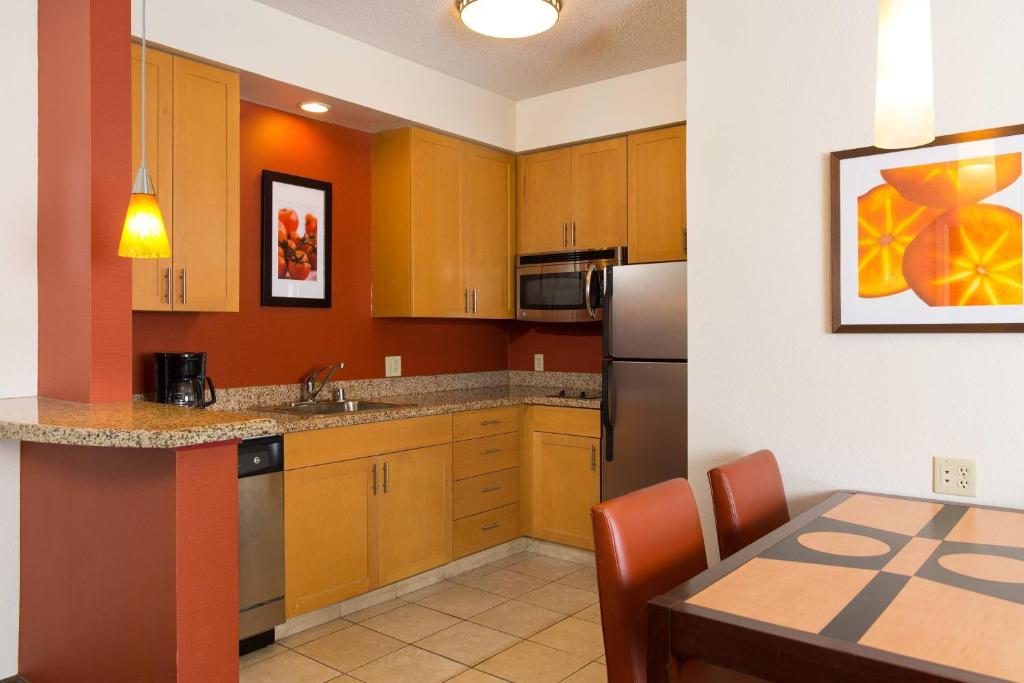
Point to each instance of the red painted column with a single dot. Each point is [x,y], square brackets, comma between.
[85,319]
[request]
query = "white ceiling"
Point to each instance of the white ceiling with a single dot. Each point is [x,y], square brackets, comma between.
[593,40]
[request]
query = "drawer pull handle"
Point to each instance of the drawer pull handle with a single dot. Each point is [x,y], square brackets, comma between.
[490,423]
[490,451]
[492,487]
[492,525]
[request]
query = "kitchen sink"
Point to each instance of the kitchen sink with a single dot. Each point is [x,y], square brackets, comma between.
[332,407]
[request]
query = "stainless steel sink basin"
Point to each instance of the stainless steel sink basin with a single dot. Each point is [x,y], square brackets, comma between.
[332,407]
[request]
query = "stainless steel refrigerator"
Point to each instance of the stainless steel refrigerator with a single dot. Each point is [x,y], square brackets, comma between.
[643,411]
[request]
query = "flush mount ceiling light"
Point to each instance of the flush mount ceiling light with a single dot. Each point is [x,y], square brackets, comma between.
[315,107]
[904,94]
[509,18]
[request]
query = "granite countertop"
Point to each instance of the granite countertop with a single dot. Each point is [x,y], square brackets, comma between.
[144,424]
[431,403]
[129,424]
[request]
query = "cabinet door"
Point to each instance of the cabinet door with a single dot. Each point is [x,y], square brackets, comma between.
[545,200]
[415,512]
[599,194]
[438,167]
[151,277]
[566,483]
[488,229]
[206,177]
[330,530]
[657,195]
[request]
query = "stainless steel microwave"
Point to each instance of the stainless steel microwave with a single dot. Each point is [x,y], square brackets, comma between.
[564,286]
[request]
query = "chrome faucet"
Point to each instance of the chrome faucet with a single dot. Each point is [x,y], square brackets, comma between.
[313,384]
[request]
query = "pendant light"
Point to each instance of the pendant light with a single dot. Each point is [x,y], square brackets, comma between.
[144,234]
[509,18]
[904,93]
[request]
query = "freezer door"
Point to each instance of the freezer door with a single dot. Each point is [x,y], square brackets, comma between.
[645,311]
[643,424]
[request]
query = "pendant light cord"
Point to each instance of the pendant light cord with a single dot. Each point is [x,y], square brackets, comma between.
[142,104]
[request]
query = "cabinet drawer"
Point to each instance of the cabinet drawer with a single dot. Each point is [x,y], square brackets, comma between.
[482,456]
[473,534]
[479,423]
[320,446]
[486,492]
[556,420]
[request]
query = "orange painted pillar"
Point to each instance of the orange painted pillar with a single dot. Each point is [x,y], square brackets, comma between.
[85,317]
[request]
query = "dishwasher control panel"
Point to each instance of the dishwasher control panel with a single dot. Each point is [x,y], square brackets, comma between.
[260,456]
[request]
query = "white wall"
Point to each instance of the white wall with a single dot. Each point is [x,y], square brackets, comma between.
[246,35]
[18,307]
[772,88]
[638,100]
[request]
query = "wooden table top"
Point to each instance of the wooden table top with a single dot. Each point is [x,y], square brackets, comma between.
[862,586]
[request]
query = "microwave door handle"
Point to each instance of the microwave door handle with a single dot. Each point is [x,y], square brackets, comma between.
[586,290]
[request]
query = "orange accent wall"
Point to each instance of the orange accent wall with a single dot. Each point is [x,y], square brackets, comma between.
[84,180]
[269,345]
[567,347]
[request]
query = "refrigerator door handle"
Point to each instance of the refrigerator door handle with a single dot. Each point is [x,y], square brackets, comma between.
[606,412]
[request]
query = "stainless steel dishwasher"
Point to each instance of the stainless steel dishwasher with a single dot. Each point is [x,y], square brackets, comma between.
[260,541]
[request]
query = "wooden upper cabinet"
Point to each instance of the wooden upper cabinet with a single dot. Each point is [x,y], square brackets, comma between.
[545,200]
[488,232]
[206,180]
[151,277]
[415,511]
[598,195]
[442,216]
[193,155]
[331,537]
[657,195]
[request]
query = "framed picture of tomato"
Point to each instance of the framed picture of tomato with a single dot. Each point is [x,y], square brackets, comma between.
[296,254]
[928,239]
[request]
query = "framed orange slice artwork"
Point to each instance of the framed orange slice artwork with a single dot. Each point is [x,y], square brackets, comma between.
[929,239]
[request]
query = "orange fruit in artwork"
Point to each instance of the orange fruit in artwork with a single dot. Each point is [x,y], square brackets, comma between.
[886,224]
[968,257]
[949,184]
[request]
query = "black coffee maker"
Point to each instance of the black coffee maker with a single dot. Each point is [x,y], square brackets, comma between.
[181,380]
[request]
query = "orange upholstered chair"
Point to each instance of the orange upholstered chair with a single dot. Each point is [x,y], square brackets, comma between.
[749,500]
[646,543]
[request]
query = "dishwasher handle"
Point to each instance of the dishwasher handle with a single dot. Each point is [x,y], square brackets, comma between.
[260,456]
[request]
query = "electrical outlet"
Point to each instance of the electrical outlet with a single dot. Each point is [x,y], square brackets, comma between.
[956,476]
[538,362]
[392,366]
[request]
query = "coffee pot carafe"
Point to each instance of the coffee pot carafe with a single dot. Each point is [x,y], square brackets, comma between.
[181,380]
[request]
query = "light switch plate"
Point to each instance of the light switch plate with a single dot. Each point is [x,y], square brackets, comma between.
[955,476]
[392,366]
[538,362]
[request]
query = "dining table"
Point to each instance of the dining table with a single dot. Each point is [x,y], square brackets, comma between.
[861,587]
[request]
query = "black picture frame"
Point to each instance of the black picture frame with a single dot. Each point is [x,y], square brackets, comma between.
[270,268]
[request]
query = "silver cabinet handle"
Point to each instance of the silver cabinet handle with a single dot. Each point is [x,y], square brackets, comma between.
[492,525]
[593,458]
[170,284]
[490,423]
[586,290]
[387,478]
[492,487]
[490,451]
[476,300]
[466,303]
[374,487]
[565,239]
[183,295]
[573,233]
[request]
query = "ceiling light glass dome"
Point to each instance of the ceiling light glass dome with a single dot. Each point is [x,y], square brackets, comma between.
[509,18]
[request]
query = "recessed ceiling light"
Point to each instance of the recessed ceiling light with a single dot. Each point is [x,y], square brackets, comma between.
[315,107]
[509,18]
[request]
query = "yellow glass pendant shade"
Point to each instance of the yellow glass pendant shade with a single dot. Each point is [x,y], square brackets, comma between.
[144,234]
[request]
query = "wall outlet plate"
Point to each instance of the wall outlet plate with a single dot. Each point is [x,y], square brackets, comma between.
[392,366]
[955,476]
[538,362]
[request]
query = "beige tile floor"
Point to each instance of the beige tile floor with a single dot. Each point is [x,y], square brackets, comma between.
[526,619]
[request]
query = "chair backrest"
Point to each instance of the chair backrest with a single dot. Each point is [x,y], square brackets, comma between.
[749,500]
[646,543]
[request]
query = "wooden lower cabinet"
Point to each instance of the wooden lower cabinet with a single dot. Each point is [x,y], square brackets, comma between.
[415,512]
[331,539]
[565,484]
[478,532]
